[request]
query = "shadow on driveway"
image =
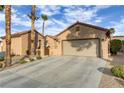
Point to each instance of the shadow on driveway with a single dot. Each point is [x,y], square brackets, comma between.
[105,70]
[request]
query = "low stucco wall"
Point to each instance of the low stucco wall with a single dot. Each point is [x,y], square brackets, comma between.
[118,37]
[15,45]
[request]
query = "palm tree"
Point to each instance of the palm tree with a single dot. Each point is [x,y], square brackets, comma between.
[111,32]
[44,18]
[1,7]
[32,31]
[33,18]
[8,33]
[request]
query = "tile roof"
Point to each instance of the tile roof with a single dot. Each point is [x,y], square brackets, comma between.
[89,25]
[20,33]
[54,37]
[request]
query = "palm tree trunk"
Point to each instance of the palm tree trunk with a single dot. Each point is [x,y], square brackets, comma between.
[43,50]
[43,28]
[32,31]
[8,34]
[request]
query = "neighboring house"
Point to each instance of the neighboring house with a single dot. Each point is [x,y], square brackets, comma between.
[21,42]
[120,38]
[79,39]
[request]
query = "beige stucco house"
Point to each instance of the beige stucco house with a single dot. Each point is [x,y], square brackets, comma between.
[21,42]
[79,39]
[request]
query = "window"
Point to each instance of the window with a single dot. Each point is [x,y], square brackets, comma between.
[77,28]
[39,44]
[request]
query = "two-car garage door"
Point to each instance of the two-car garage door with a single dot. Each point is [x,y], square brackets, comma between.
[88,47]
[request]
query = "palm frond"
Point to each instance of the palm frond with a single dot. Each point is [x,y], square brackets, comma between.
[44,17]
[29,15]
[36,18]
[112,30]
[1,7]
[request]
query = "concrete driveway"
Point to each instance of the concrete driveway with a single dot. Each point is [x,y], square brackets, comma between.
[55,72]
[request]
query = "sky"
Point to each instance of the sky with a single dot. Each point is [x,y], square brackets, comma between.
[62,16]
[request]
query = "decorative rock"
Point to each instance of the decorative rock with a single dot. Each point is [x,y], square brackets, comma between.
[35,58]
[27,59]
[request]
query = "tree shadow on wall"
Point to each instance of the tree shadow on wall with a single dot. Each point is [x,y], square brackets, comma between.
[85,34]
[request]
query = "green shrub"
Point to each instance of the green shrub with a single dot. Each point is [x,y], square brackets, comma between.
[115,46]
[22,62]
[118,71]
[1,58]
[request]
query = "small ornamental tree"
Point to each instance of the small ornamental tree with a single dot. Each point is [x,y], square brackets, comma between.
[115,46]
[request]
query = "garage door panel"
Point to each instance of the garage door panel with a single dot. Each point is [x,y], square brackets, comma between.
[81,47]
